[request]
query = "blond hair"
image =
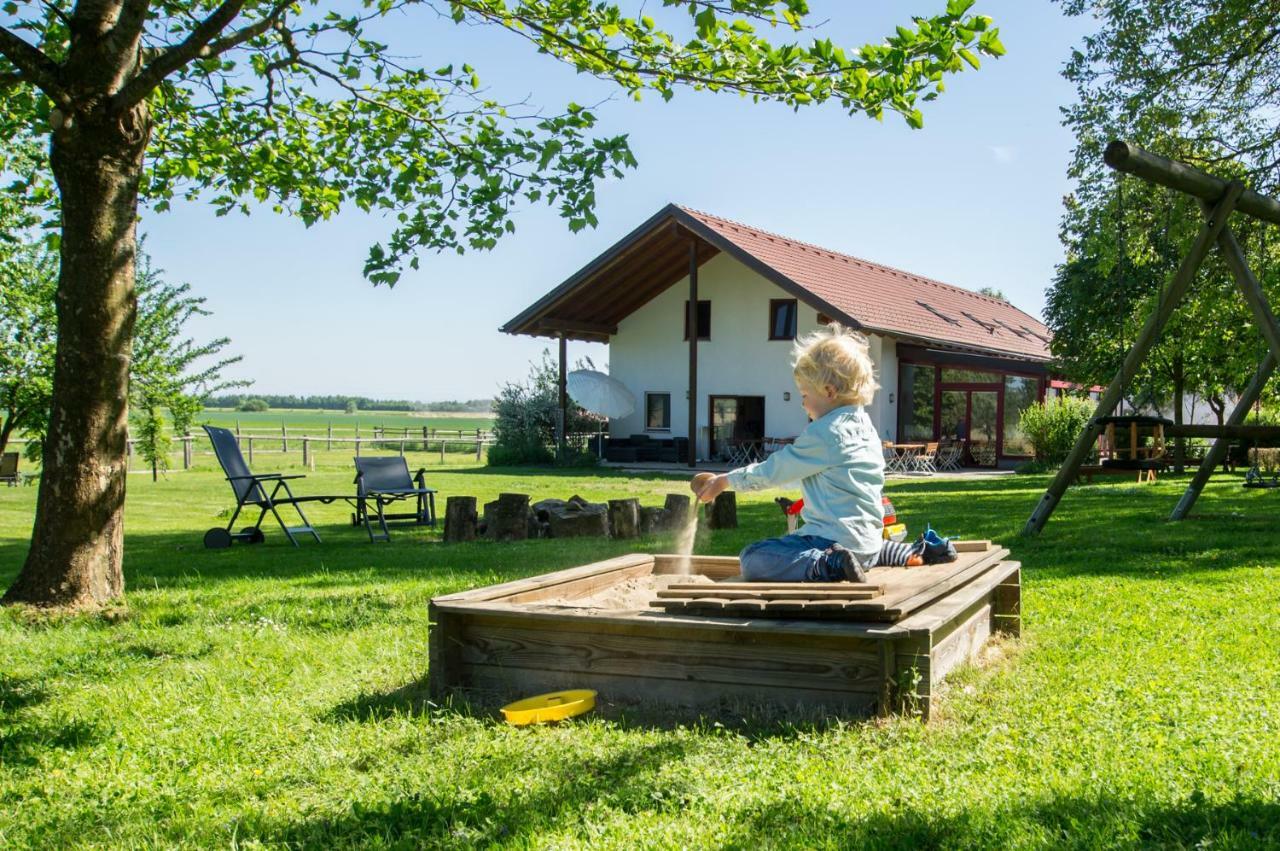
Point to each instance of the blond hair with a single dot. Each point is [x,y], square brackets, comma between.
[837,356]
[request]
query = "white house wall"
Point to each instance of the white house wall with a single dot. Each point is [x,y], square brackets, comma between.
[650,355]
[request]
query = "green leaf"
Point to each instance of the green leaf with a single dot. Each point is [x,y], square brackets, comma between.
[967,56]
[956,8]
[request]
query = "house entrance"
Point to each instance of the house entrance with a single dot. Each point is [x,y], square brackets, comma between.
[737,428]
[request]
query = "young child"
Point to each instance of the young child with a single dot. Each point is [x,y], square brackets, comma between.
[839,463]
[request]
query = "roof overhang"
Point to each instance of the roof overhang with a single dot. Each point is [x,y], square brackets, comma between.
[634,271]
[655,256]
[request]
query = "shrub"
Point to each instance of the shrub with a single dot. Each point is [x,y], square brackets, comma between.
[524,428]
[1052,426]
[253,404]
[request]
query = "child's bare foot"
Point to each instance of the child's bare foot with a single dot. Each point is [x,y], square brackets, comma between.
[915,561]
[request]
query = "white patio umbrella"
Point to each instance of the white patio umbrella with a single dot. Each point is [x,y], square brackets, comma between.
[600,394]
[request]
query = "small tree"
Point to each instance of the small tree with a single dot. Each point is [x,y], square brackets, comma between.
[351,407]
[1053,426]
[524,429]
[253,405]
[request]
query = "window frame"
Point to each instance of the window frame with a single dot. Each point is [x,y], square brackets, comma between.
[650,394]
[774,304]
[701,302]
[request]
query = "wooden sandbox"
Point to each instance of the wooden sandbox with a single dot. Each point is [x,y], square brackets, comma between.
[637,628]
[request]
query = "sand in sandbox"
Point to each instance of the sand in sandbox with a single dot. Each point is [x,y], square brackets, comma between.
[635,593]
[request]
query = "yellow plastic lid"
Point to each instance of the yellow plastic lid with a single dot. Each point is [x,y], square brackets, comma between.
[555,706]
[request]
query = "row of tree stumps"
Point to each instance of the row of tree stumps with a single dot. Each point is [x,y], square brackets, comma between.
[511,517]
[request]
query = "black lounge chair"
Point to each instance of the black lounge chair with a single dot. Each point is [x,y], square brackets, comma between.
[383,480]
[9,469]
[261,491]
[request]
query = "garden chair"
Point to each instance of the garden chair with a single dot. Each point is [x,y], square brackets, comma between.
[924,461]
[949,457]
[9,469]
[261,491]
[892,460]
[383,480]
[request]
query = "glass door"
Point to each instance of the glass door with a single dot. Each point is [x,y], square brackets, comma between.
[735,420]
[971,416]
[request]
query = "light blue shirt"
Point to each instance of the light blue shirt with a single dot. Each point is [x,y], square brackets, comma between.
[839,462]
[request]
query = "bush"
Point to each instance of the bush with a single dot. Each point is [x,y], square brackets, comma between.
[253,404]
[524,428]
[1052,426]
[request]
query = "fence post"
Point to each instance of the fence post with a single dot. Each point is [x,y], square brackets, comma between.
[357,446]
[402,447]
[284,438]
[424,437]
[442,450]
[187,451]
[237,429]
[306,452]
[478,444]
[250,450]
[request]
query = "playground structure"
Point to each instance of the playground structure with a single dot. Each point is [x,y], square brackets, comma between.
[642,628]
[1218,199]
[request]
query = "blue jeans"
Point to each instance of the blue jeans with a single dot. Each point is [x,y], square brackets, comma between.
[791,558]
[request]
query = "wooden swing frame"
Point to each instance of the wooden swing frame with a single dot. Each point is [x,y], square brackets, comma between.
[1218,199]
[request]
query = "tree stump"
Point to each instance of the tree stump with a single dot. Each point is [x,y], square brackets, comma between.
[624,518]
[652,520]
[723,513]
[507,517]
[460,519]
[678,509]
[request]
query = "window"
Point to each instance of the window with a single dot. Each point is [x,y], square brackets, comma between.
[657,411]
[704,320]
[915,402]
[1020,393]
[782,319]
[969,376]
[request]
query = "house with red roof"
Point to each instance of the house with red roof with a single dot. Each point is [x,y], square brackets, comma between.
[951,363]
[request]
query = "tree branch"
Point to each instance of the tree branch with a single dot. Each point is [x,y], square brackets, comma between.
[33,66]
[194,45]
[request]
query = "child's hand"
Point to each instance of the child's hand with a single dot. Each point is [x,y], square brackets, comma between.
[707,486]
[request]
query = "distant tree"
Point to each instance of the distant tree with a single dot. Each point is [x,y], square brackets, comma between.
[992,292]
[28,332]
[351,407]
[253,404]
[169,372]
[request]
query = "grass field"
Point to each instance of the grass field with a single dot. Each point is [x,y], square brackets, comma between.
[273,697]
[316,422]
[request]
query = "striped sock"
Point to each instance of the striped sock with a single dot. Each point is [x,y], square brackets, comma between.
[894,554]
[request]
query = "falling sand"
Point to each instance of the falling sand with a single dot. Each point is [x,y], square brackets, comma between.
[684,540]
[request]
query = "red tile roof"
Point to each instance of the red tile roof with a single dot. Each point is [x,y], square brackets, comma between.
[889,300]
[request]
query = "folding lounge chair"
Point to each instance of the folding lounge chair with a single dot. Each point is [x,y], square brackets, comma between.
[261,491]
[9,469]
[383,480]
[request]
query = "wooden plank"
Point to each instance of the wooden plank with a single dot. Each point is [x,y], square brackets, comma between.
[971,546]
[963,644]
[853,666]
[765,587]
[1006,605]
[584,587]
[715,567]
[766,594]
[533,583]
[498,685]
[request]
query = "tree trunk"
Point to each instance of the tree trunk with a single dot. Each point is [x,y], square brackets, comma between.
[78,539]
[460,519]
[723,512]
[6,431]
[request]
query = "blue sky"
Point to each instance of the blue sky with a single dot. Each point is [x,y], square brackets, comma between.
[973,199]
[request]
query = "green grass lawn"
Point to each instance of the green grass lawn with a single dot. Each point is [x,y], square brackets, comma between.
[273,697]
[317,421]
